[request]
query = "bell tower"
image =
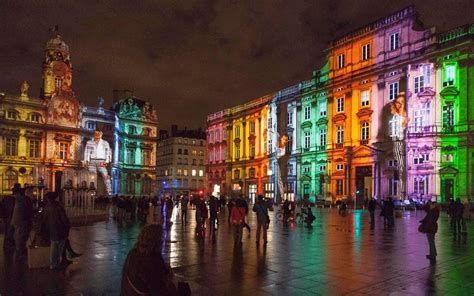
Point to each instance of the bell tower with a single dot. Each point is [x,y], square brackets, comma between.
[57,68]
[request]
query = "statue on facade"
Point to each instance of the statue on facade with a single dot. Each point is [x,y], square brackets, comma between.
[24,90]
[97,155]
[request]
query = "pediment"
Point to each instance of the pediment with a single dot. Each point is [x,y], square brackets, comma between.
[339,117]
[364,150]
[449,91]
[322,121]
[449,170]
[305,178]
[364,112]
[427,92]
[307,124]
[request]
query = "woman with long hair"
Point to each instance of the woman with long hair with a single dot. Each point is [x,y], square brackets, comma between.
[145,272]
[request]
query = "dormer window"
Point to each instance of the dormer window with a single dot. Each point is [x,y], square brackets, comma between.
[12,114]
[35,117]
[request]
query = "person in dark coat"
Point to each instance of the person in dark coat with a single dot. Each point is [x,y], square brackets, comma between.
[21,221]
[261,208]
[213,210]
[8,204]
[456,217]
[184,209]
[389,211]
[58,225]
[371,207]
[145,272]
[429,225]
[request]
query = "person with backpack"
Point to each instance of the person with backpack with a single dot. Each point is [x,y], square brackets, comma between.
[261,208]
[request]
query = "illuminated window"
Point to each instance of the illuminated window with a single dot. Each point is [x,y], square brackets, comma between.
[237,174]
[270,145]
[201,173]
[252,173]
[185,172]
[211,158]
[132,130]
[450,75]
[130,156]
[365,52]
[10,179]
[340,61]
[146,157]
[421,116]
[90,125]
[224,134]
[211,137]
[395,126]
[193,173]
[394,41]
[364,98]
[420,185]
[252,149]
[237,131]
[306,169]
[11,146]
[393,91]
[217,136]
[322,109]
[34,146]
[448,116]
[58,82]
[63,150]
[340,105]
[289,118]
[237,151]
[392,186]
[307,112]
[448,157]
[179,172]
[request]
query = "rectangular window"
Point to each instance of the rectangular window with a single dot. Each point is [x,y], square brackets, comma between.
[322,168]
[322,137]
[339,187]
[364,131]
[237,131]
[392,163]
[237,151]
[339,134]
[270,145]
[63,150]
[421,158]
[392,187]
[179,172]
[11,114]
[419,84]
[307,140]
[34,147]
[394,41]
[224,134]
[211,137]
[216,153]
[448,117]
[290,169]
[392,91]
[364,98]
[11,146]
[449,76]
[322,110]
[211,156]
[35,117]
[193,173]
[365,52]
[217,136]
[237,174]
[252,173]
[270,122]
[307,112]
[252,150]
[395,126]
[289,120]
[306,169]
[420,185]
[339,167]
[146,157]
[448,158]
[201,173]
[340,105]
[340,61]
[252,127]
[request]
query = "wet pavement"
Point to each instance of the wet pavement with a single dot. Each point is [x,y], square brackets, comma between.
[339,256]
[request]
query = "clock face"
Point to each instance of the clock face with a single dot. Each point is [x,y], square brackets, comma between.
[59,69]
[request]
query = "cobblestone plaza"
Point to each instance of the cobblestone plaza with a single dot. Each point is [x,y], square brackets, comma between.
[339,256]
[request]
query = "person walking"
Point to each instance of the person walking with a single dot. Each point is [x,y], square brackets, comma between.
[238,218]
[243,203]
[169,210]
[429,225]
[21,221]
[230,204]
[58,225]
[261,208]
[372,204]
[213,210]
[184,209]
[145,272]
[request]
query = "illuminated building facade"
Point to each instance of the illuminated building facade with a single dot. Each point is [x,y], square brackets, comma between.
[42,139]
[381,118]
[181,160]
[216,153]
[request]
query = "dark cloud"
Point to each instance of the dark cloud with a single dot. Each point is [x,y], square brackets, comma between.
[191,58]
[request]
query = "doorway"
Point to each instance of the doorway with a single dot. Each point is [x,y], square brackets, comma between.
[363,183]
[448,189]
[58,176]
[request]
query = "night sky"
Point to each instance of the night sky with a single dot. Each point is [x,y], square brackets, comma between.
[190,58]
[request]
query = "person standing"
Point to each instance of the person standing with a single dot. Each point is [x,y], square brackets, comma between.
[213,210]
[58,225]
[8,204]
[21,220]
[457,213]
[184,209]
[465,216]
[238,218]
[243,203]
[429,225]
[286,211]
[230,204]
[388,212]
[169,210]
[261,208]
[371,207]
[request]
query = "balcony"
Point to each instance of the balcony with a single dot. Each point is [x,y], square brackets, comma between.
[364,142]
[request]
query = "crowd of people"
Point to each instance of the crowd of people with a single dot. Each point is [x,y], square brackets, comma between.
[27,222]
